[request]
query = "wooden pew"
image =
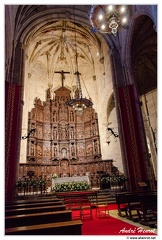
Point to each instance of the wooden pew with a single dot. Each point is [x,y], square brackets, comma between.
[55,199]
[132,202]
[46,197]
[35,204]
[37,218]
[20,211]
[121,201]
[147,211]
[59,228]
[128,202]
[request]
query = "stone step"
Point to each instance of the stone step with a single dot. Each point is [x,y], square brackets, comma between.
[102,193]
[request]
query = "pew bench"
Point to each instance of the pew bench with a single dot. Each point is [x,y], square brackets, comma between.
[129,202]
[55,199]
[59,228]
[39,209]
[37,218]
[147,212]
[46,197]
[121,202]
[133,202]
[35,204]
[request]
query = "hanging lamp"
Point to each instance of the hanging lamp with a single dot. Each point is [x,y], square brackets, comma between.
[109,18]
[78,102]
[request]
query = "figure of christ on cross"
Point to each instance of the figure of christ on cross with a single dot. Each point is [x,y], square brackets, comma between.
[62,76]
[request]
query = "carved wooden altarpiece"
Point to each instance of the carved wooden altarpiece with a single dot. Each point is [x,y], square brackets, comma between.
[65,141]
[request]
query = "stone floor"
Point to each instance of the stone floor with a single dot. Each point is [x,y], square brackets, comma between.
[114,213]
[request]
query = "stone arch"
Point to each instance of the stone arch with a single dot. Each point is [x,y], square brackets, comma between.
[33,19]
[127,49]
[140,65]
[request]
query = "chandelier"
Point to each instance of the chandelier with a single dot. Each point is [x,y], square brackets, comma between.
[108,18]
[78,103]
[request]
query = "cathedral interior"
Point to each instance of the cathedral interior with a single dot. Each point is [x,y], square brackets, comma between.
[55,57]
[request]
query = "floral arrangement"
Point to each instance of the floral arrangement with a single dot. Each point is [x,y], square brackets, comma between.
[71,186]
[120,178]
[105,179]
[54,176]
[30,182]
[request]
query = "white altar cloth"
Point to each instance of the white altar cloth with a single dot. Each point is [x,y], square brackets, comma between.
[70,179]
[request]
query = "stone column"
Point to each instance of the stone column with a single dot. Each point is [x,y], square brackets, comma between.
[131,129]
[13,120]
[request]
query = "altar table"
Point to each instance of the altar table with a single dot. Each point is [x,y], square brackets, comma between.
[77,194]
[70,179]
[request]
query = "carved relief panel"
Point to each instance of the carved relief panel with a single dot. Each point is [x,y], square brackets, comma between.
[39,150]
[80,150]
[39,131]
[64,166]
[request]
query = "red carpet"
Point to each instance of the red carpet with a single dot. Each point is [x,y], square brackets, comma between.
[110,226]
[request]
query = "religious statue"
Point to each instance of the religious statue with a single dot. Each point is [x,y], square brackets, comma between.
[73,151]
[93,129]
[72,133]
[89,149]
[63,133]
[54,116]
[32,149]
[54,134]
[96,147]
[71,117]
[39,150]
[55,151]
[64,153]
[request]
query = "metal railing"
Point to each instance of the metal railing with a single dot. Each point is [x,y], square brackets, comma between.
[26,186]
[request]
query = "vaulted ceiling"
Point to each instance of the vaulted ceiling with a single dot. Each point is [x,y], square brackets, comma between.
[55,35]
[57,44]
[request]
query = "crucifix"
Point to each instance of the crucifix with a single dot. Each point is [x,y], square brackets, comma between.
[62,76]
